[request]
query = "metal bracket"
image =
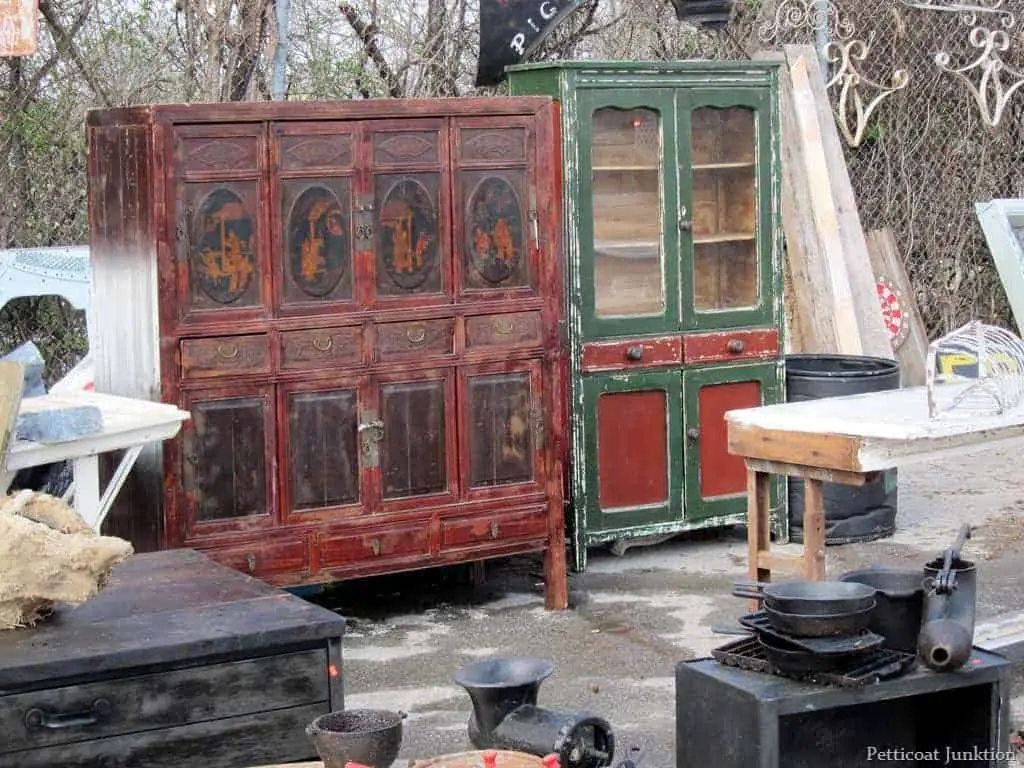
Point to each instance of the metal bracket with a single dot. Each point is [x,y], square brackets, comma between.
[364,222]
[371,432]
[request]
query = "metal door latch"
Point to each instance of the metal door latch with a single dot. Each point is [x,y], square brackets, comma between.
[371,432]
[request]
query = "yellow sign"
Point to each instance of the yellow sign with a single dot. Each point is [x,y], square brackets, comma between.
[960,364]
[19,27]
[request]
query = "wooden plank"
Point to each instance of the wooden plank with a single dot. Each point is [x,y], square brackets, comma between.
[888,264]
[814,531]
[777,561]
[12,382]
[815,473]
[759,538]
[790,447]
[812,322]
[874,338]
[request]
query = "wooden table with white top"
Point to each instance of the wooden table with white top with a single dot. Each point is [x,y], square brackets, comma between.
[128,425]
[844,440]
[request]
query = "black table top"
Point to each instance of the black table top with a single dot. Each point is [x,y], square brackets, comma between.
[160,608]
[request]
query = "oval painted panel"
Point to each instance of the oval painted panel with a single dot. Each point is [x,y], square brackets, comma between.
[223,256]
[494,229]
[408,234]
[319,251]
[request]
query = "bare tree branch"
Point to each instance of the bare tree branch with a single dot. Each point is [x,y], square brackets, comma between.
[67,47]
[367,33]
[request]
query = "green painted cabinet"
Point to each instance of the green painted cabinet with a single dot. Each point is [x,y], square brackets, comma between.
[674,285]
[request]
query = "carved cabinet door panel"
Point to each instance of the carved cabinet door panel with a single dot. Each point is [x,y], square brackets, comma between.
[502,417]
[226,460]
[219,248]
[496,226]
[409,439]
[409,202]
[313,219]
[319,453]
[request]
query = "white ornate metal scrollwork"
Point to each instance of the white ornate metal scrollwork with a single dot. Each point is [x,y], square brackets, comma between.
[968,11]
[997,82]
[805,15]
[847,55]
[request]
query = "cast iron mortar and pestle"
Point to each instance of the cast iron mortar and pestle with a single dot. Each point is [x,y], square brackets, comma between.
[947,632]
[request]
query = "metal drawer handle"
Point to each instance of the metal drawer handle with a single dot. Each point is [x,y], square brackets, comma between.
[323,346]
[375,547]
[504,327]
[635,353]
[37,718]
[250,560]
[416,335]
[495,530]
[735,346]
[693,433]
[227,351]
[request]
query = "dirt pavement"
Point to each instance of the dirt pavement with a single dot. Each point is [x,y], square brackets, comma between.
[633,618]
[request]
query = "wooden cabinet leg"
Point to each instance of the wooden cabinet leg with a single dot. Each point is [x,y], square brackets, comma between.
[814,530]
[556,577]
[758,526]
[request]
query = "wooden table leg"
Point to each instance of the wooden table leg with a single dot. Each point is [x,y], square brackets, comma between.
[814,530]
[556,573]
[759,531]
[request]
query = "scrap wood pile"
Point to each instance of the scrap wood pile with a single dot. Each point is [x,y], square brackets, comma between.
[49,555]
[846,290]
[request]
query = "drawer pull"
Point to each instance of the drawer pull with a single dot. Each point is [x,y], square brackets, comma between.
[37,718]
[416,335]
[635,353]
[495,530]
[227,351]
[735,346]
[375,547]
[322,345]
[693,433]
[504,327]
[250,560]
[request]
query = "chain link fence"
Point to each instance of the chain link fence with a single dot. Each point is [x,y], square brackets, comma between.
[930,148]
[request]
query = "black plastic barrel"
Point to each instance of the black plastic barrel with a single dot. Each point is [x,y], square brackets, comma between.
[852,513]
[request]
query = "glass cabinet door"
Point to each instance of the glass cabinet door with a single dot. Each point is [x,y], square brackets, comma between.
[725,141]
[627,200]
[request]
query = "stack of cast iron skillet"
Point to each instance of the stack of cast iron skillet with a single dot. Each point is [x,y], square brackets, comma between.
[812,626]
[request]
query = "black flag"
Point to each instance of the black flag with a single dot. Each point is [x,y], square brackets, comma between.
[511,29]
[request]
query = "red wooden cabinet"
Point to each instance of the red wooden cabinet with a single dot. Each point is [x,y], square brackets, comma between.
[358,302]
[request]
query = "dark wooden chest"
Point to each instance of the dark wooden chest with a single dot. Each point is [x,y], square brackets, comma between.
[358,302]
[178,662]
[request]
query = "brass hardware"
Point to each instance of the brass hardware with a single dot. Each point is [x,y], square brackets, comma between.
[635,353]
[416,335]
[250,559]
[227,351]
[504,327]
[685,225]
[363,224]
[495,530]
[735,346]
[693,433]
[539,427]
[375,547]
[532,217]
[371,433]
[323,346]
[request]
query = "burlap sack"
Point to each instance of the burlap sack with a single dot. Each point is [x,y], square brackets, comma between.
[49,555]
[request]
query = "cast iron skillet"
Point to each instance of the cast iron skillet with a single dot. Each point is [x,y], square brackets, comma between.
[809,598]
[821,625]
[796,661]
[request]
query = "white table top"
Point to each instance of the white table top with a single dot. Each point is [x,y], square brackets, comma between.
[126,422]
[891,427]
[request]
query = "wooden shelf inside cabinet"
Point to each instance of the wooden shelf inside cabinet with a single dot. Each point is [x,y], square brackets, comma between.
[625,168]
[723,237]
[722,166]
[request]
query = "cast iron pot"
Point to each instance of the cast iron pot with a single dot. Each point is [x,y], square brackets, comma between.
[899,603]
[370,737]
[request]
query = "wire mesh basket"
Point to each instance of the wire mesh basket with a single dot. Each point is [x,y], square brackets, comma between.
[977,370]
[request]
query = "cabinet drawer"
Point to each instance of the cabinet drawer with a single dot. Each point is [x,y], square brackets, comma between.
[731,345]
[381,544]
[493,528]
[162,700]
[219,153]
[632,353]
[304,350]
[265,557]
[516,329]
[423,337]
[203,358]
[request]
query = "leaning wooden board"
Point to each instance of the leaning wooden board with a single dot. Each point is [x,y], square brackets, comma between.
[178,662]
